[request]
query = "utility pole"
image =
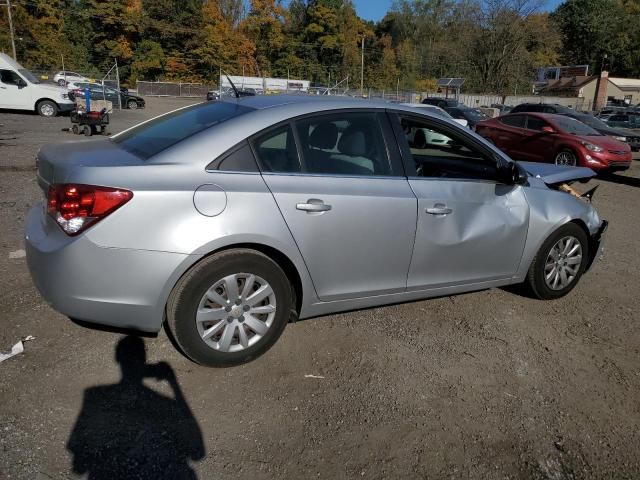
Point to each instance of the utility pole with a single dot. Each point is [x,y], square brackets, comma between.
[362,70]
[13,42]
[118,83]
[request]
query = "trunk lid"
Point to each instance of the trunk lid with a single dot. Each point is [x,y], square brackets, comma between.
[54,163]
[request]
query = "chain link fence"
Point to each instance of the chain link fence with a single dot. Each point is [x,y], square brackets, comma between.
[173,89]
[179,89]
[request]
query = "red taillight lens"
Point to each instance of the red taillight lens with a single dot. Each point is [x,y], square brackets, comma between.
[76,207]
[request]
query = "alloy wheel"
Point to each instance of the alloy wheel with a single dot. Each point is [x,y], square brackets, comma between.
[563,263]
[236,312]
[566,158]
[47,110]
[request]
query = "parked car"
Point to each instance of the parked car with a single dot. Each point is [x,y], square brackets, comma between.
[213,95]
[64,77]
[541,137]
[623,120]
[441,102]
[503,109]
[621,134]
[21,90]
[100,92]
[542,108]
[437,111]
[471,115]
[230,218]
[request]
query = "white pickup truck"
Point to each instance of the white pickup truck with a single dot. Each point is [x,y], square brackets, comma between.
[21,90]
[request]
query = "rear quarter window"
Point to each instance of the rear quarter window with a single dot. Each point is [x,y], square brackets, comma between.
[151,138]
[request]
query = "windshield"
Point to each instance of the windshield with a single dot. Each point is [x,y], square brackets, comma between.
[474,114]
[28,75]
[154,136]
[592,121]
[574,127]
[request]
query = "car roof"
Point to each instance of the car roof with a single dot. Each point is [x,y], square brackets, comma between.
[266,111]
[260,102]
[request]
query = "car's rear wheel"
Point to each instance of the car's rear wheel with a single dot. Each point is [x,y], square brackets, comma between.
[560,263]
[47,108]
[230,308]
[61,82]
[132,104]
[566,157]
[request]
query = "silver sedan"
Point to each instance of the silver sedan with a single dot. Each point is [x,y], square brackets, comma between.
[226,220]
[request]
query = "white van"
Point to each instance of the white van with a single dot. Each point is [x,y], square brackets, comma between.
[21,90]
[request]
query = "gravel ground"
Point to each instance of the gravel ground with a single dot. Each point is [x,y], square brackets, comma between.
[485,385]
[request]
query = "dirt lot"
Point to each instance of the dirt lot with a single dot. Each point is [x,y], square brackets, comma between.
[484,385]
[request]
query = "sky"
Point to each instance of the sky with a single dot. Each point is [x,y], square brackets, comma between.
[375,9]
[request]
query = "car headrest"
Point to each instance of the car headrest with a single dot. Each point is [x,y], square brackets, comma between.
[419,139]
[324,136]
[353,142]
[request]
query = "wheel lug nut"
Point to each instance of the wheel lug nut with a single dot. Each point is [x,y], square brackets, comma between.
[246,308]
[238,302]
[227,308]
[229,319]
[241,318]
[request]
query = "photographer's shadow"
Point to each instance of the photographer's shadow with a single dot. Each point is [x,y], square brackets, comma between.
[127,430]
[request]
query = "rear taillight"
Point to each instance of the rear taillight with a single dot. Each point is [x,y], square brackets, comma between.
[76,207]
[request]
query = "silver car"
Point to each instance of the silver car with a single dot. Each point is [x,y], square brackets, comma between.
[226,220]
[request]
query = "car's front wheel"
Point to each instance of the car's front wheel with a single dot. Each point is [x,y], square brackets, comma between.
[560,263]
[230,308]
[566,157]
[132,104]
[47,108]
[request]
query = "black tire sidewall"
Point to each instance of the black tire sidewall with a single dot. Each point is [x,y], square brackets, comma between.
[536,274]
[181,312]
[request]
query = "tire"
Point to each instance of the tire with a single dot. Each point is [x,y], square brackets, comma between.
[87,131]
[566,157]
[132,105]
[192,294]
[47,108]
[544,264]
[75,129]
[61,82]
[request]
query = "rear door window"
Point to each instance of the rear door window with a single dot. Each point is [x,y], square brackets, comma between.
[535,123]
[344,144]
[513,120]
[150,138]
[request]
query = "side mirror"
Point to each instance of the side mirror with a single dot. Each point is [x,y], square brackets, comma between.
[21,84]
[512,174]
[548,129]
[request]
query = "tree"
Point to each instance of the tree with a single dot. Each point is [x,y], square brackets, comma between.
[590,29]
[148,61]
[264,27]
[220,45]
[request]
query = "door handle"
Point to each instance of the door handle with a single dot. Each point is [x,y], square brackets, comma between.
[439,209]
[313,205]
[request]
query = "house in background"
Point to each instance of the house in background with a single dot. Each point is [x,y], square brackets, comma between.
[614,88]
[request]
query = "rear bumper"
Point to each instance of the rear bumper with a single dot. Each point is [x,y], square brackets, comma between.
[596,244]
[116,287]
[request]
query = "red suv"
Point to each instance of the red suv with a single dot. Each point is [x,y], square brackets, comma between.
[541,137]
